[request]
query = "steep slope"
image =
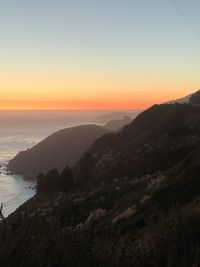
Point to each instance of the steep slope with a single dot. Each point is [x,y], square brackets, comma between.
[156,140]
[150,220]
[58,150]
[142,212]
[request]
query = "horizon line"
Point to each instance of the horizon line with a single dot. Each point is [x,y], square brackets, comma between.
[59,110]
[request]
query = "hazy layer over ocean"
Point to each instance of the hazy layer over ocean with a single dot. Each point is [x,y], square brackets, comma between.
[22,130]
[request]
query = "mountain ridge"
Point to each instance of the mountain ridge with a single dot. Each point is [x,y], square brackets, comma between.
[62,148]
[143,141]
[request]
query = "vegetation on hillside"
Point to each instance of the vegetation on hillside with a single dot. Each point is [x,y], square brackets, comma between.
[144,212]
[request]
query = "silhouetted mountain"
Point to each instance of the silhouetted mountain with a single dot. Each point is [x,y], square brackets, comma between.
[58,150]
[155,140]
[132,200]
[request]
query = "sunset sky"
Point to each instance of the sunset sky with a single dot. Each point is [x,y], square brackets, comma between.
[97,54]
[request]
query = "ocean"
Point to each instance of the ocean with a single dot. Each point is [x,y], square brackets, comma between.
[22,130]
[14,190]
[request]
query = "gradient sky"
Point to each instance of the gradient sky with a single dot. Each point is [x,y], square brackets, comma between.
[97,54]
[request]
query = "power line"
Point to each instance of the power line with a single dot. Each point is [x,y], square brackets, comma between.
[182,14]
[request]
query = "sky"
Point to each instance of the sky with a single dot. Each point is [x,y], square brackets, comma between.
[97,54]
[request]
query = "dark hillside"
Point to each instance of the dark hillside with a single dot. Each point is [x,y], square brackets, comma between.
[58,150]
[156,140]
[136,201]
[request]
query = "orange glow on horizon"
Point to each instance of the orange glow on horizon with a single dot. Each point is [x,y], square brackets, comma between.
[88,91]
[66,105]
[117,103]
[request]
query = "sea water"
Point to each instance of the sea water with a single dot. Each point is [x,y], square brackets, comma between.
[14,190]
